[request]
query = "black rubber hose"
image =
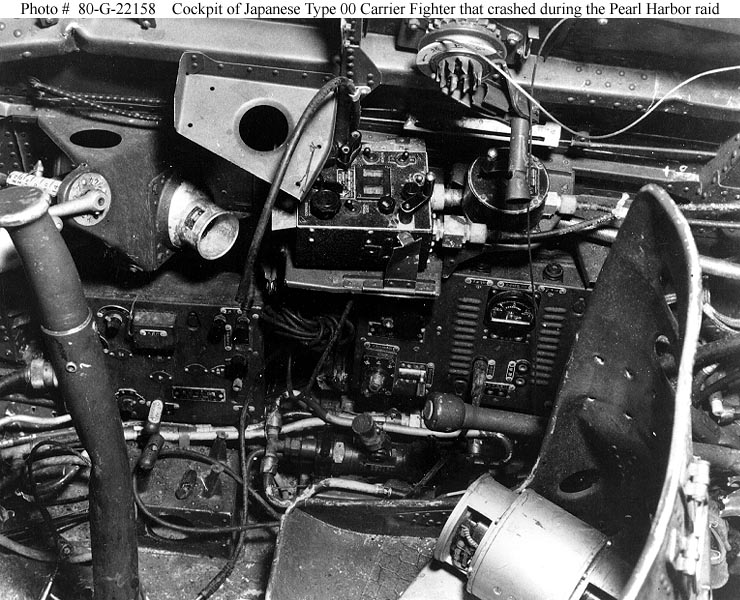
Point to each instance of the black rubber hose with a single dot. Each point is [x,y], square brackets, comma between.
[77,357]
[706,430]
[13,382]
[725,384]
[717,351]
[539,236]
[721,459]
[243,294]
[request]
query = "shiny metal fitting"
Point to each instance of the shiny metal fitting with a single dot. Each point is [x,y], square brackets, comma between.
[196,222]
[22,205]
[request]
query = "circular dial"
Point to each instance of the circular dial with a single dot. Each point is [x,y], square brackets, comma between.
[511,314]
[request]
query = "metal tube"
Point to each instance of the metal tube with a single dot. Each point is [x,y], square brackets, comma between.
[517,187]
[75,352]
[709,265]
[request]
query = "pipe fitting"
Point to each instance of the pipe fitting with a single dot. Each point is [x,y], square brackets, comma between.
[191,220]
[41,375]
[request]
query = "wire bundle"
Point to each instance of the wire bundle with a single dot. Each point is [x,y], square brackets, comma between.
[101,103]
[41,464]
[310,332]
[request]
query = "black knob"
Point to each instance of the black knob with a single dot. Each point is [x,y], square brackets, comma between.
[236,367]
[218,329]
[444,412]
[386,204]
[241,331]
[363,425]
[325,204]
[553,272]
[410,190]
[113,322]
[369,434]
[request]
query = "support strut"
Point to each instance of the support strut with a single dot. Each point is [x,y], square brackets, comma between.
[77,356]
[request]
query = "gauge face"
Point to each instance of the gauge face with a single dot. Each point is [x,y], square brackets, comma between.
[510,314]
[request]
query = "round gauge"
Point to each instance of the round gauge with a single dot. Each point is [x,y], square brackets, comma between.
[510,314]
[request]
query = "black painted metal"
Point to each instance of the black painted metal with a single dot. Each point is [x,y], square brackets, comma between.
[605,454]
[75,351]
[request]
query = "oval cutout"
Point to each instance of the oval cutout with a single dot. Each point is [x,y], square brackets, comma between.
[580,481]
[95,138]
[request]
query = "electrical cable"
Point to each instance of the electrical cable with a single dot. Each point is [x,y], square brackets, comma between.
[184,454]
[579,227]
[65,501]
[63,545]
[428,476]
[726,383]
[625,129]
[217,581]
[191,529]
[305,395]
[717,351]
[28,532]
[713,224]
[13,381]
[307,331]
[49,489]
[711,208]
[711,315]
[23,399]
[726,323]
[530,260]
[347,485]
[246,461]
[42,492]
[41,555]
[61,448]
[289,376]
[30,439]
[537,58]
[35,421]
[245,292]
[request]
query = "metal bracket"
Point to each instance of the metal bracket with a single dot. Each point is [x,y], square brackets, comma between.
[213,99]
[720,177]
[689,550]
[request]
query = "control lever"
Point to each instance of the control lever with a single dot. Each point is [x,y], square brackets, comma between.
[447,412]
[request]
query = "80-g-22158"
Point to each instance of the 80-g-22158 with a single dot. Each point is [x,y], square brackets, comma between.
[117,8]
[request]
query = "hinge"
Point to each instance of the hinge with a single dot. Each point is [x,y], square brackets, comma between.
[689,550]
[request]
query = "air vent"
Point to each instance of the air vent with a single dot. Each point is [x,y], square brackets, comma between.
[464,334]
[548,342]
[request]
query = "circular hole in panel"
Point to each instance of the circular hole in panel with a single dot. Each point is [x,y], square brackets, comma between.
[263,128]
